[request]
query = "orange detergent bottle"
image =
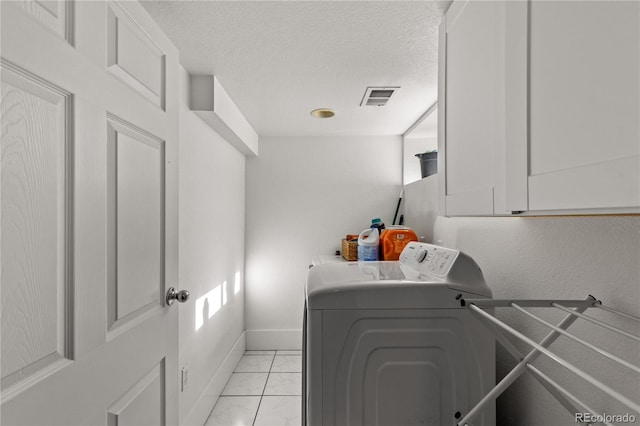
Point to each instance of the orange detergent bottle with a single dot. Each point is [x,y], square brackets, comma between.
[393,241]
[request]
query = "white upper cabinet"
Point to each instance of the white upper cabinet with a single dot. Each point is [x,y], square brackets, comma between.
[578,129]
[565,116]
[471,104]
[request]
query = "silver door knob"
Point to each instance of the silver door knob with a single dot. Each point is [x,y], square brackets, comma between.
[181,296]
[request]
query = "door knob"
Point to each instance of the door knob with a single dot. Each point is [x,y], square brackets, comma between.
[181,296]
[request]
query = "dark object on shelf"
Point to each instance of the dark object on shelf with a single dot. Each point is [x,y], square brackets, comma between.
[428,163]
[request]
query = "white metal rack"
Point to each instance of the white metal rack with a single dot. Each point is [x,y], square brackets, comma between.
[575,310]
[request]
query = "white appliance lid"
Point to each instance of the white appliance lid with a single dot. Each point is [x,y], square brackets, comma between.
[426,276]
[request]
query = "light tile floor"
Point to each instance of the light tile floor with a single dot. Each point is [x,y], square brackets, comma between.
[264,390]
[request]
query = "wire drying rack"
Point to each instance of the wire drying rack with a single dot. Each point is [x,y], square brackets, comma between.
[575,310]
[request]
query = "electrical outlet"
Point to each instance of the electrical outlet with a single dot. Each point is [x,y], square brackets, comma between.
[184,378]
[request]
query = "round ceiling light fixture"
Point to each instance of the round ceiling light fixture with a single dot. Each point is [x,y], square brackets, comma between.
[322,113]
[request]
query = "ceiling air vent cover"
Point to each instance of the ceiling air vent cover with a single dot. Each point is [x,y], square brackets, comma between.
[377,96]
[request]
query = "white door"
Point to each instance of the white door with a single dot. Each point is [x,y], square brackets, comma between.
[89,215]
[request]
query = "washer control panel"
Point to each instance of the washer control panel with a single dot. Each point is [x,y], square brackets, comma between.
[428,258]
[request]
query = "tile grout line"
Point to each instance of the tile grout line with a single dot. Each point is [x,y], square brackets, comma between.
[211,412]
[263,389]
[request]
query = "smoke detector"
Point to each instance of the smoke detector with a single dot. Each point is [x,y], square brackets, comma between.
[377,96]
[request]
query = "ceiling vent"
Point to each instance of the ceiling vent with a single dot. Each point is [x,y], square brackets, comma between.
[377,96]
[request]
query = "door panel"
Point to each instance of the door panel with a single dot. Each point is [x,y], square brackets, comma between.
[136,167]
[35,245]
[134,57]
[89,207]
[142,404]
[53,14]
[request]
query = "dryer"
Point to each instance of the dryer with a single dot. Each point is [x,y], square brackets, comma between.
[389,344]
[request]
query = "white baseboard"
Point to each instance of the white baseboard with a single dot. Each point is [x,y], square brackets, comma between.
[201,409]
[263,340]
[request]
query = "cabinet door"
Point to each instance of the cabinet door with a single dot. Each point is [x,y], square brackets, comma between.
[471,101]
[575,134]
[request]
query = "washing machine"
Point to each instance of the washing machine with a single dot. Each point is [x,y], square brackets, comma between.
[389,344]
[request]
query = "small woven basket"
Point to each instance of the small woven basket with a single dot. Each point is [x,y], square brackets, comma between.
[349,250]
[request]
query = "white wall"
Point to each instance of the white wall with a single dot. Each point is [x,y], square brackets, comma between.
[303,195]
[553,257]
[420,206]
[212,179]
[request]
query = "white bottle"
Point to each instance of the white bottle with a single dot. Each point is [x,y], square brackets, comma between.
[368,241]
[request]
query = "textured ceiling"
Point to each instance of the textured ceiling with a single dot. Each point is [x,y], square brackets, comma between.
[278,60]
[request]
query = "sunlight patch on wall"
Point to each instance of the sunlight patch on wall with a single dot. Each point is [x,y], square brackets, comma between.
[207,305]
[224,293]
[236,283]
